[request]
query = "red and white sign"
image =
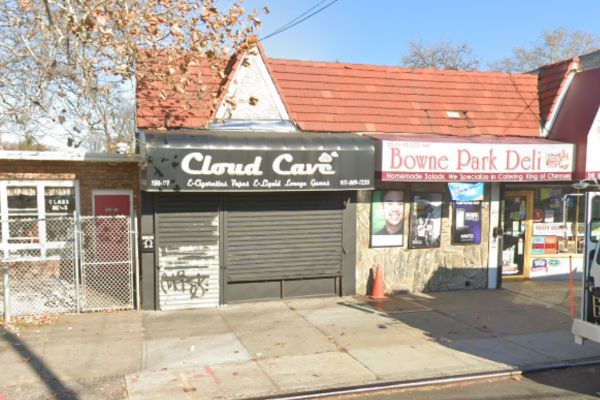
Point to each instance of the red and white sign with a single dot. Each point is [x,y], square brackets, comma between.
[592,161]
[445,161]
[552,229]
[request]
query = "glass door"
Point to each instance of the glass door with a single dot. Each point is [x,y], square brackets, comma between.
[518,210]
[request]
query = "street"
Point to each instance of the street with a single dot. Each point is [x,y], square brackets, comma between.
[574,383]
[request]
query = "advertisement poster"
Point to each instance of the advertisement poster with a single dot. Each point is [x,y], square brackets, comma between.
[466,191]
[425,220]
[387,218]
[467,223]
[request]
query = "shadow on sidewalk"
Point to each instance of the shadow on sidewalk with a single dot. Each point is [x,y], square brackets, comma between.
[55,386]
[523,328]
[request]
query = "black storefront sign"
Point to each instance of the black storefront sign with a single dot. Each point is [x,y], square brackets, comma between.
[60,204]
[235,162]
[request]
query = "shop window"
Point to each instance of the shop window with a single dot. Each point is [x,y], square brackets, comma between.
[558,222]
[59,203]
[22,214]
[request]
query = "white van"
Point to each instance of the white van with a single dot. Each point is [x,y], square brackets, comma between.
[588,327]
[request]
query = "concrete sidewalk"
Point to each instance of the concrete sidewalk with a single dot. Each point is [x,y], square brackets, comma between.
[262,349]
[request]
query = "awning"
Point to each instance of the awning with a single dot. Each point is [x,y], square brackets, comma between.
[233,161]
[406,158]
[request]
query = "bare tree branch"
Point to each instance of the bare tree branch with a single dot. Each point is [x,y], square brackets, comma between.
[553,46]
[72,64]
[441,55]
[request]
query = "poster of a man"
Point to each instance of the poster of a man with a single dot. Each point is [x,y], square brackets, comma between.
[425,220]
[387,218]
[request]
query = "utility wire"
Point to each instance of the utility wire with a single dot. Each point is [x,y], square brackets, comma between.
[299,19]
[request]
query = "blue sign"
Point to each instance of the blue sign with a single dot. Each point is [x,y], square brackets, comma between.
[466,191]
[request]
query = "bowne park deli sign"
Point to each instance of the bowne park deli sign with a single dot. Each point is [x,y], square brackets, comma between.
[258,170]
[475,162]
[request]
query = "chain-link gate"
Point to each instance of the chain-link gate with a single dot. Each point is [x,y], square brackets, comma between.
[66,264]
[106,263]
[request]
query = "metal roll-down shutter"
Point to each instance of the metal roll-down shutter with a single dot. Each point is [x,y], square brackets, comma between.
[283,245]
[187,228]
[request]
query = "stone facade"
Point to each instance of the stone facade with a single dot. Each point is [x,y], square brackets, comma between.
[447,267]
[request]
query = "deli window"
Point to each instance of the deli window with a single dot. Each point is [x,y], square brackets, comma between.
[543,232]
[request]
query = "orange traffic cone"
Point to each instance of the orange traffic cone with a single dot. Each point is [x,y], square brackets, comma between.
[378,291]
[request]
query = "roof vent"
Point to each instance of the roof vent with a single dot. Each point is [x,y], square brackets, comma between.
[455,114]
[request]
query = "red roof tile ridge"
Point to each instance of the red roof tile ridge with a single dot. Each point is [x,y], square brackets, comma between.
[559,63]
[375,67]
[549,75]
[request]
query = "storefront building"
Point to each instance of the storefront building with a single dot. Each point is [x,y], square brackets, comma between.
[235,217]
[482,203]
[67,232]
[462,176]
[248,207]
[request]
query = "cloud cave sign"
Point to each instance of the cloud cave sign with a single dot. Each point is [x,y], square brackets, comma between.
[258,170]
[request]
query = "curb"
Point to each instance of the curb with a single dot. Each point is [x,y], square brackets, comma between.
[376,387]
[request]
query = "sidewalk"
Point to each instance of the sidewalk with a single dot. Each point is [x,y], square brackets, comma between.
[261,349]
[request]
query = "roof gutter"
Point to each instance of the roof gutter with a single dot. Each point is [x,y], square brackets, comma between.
[65,156]
[573,69]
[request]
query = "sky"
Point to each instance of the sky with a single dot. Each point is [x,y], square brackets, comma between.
[379,31]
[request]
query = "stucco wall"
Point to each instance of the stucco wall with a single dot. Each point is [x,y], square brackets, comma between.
[448,267]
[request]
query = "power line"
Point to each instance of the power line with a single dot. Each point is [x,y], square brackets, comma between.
[295,19]
[299,19]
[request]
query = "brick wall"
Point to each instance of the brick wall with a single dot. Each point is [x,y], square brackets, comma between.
[91,176]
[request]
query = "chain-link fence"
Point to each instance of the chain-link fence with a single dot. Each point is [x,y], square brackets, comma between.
[67,264]
[106,263]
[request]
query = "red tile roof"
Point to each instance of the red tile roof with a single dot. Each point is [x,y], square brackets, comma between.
[160,106]
[552,80]
[322,96]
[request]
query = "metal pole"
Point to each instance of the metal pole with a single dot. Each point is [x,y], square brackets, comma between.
[571,298]
[6,294]
[76,261]
[137,260]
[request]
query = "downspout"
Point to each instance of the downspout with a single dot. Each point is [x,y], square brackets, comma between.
[547,128]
